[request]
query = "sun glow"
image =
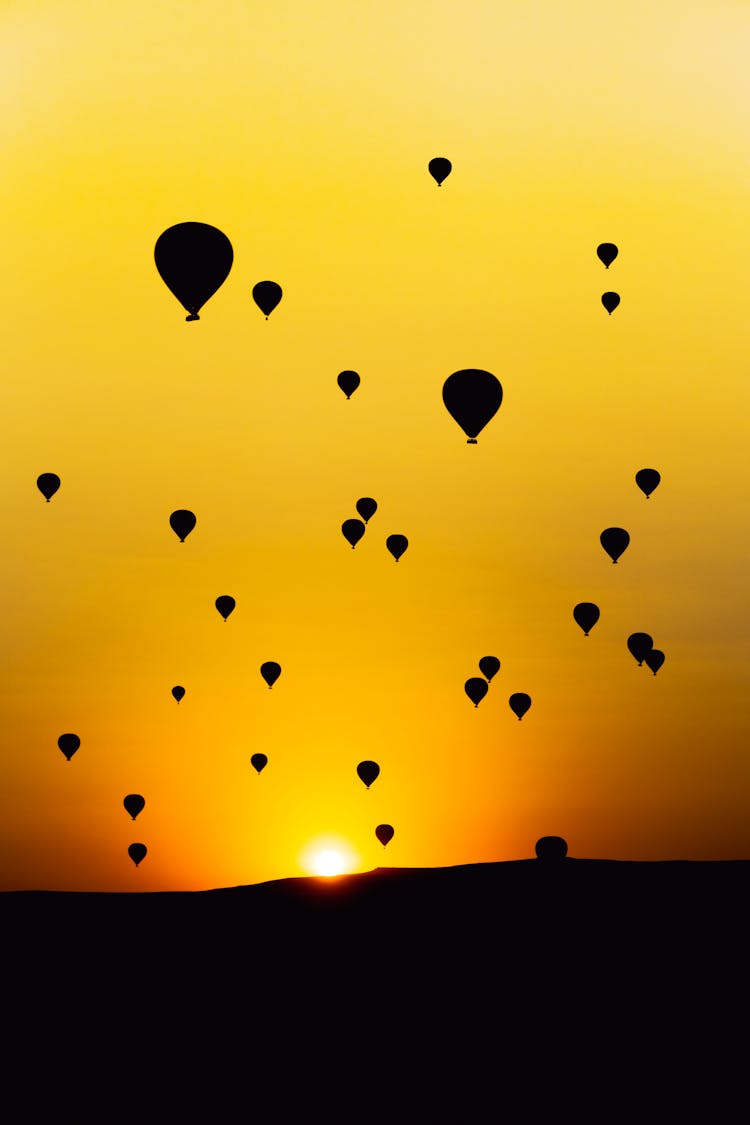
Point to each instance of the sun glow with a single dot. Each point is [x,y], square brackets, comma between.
[329,857]
[329,863]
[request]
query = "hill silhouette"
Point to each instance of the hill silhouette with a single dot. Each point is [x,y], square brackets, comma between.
[577,990]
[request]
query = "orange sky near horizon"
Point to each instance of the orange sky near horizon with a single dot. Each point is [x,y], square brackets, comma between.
[303,132]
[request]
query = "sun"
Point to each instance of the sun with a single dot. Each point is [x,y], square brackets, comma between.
[329,855]
[329,862]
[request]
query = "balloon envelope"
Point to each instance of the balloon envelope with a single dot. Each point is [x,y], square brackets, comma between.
[134,804]
[270,671]
[606,252]
[639,644]
[439,168]
[586,614]
[384,833]
[610,301]
[367,508]
[182,523]
[551,848]
[614,540]
[225,604]
[137,852]
[259,762]
[48,484]
[654,658]
[353,530]
[489,666]
[471,398]
[647,480]
[267,295]
[367,772]
[476,689]
[397,544]
[519,703]
[178,692]
[193,260]
[68,743]
[348,381]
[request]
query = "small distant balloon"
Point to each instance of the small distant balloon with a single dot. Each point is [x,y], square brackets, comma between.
[397,544]
[639,645]
[348,381]
[68,743]
[193,260]
[606,252]
[586,614]
[647,480]
[367,508]
[353,530]
[48,484]
[489,666]
[654,659]
[439,168]
[519,704]
[259,762]
[266,295]
[182,523]
[384,833]
[137,853]
[134,804]
[551,848]
[614,540]
[472,397]
[476,689]
[610,301]
[270,671]
[225,604]
[178,692]
[368,772]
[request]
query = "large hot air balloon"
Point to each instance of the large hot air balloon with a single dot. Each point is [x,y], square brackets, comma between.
[551,848]
[586,614]
[614,540]
[439,168]
[610,301]
[471,398]
[353,530]
[476,689]
[654,658]
[225,604]
[137,853]
[384,833]
[178,692]
[270,671]
[397,544]
[647,480]
[134,804]
[193,259]
[489,666]
[367,772]
[68,743]
[48,484]
[519,704]
[259,762]
[348,381]
[639,644]
[606,252]
[366,507]
[182,523]
[266,295]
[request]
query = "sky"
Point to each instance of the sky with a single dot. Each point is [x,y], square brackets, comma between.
[303,132]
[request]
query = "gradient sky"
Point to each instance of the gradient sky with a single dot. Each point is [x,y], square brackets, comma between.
[303,131]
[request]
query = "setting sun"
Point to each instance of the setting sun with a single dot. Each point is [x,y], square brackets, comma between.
[329,856]
[329,863]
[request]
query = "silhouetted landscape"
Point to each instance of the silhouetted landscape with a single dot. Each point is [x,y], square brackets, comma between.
[518,991]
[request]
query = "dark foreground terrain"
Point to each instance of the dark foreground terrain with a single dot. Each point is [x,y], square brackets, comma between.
[509,992]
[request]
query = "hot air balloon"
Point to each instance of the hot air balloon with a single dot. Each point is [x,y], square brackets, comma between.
[182,523]
[137,853]
[519,704]
[134,804]
[610,301]
[267,295]
[367,772]
[606,252]
[68,743]
[614,540]
[48,484]
[353,530]
[586,614]
[384,833]
[552,848]
[348,381]
[270,671]
[439,168]
[639,645]
[367,508]
[193,259]
[225,604]
[259,762]
[654,658]
[489,666]
[647,480]
[397,544]
[476,689]
[471,398]
[178,692]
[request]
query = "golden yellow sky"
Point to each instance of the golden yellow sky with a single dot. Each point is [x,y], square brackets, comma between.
[303,131]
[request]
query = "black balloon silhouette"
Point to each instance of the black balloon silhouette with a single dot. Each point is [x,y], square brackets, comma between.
[639,645]
[137,853]
[472,397]
[178,692]
[225,604]
[439,168]
[519,703]
[270,671]
[552,848]
[384,833]
[647,480]
[367,508]
[348,381]
[610,301]
[193,259]
[606,252]
[182,523]
[134,804]
[397,544]
[259,762]
[68,743]
[654,658]
[367,772]
[267,295]
[476,689]
[586,614]
[489,666]
[353,530]
[614,540]
[48,484]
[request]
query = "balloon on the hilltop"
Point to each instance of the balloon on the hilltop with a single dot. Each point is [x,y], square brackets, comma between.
[182,523]
[586,614]
[134,803]
[519,704]
[551,848]
[367,507]
[647,480]
[397,544]
[178,692]
[639,644]
[259,762]
[348,381]
[439,168]
[476,689]
[654,659]
[225,604]
[353,530]
[137,853]
[270,671]
[68,743]
[489,666]
[472,397]
[368,772]
[610,301]
[193,260]
[48,484]
[614,540]
[384,833]
[266,295]
[606,252]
